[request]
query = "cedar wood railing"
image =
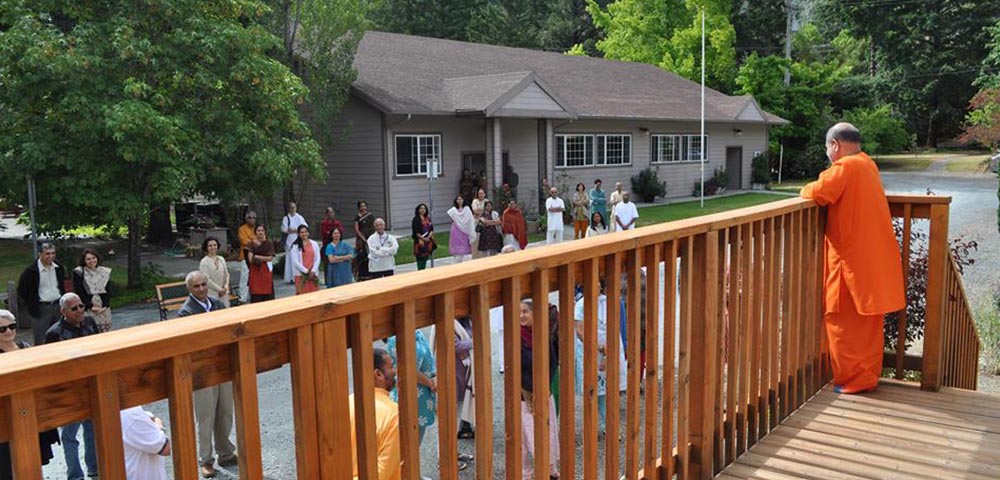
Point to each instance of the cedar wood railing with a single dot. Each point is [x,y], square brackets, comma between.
[745,321]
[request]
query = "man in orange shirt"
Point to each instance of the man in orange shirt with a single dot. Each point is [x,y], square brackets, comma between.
[386,421]
[246,237]
[863,272]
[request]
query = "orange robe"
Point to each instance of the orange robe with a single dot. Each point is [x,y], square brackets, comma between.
[863,271]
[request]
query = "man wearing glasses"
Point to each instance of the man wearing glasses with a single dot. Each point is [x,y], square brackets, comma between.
[40,286]
[74,324]
[213,406]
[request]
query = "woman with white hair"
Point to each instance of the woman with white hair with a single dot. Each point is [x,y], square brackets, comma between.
[9,343]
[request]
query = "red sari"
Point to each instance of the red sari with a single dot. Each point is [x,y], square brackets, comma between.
[304,284]
[513,224]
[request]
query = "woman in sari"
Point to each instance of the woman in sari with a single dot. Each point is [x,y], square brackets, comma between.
[364,227]
[426,381]
[423,236]
[305,262]
[339,255]
[260,256]
[513,227]
[581,211]
[215,270]
[463,231]
[598,199]
[90,281]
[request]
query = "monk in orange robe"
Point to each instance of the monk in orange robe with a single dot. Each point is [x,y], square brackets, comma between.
[863,272]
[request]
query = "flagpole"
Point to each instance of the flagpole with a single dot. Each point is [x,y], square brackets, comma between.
[702,139]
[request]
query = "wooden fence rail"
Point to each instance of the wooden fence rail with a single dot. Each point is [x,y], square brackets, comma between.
[742,348]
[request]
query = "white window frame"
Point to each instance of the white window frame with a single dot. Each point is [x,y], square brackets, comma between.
[563,138]
[601,149]
[420,162]
[597,149]
[681,150]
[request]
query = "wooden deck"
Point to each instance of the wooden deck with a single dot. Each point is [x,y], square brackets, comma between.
[896,432]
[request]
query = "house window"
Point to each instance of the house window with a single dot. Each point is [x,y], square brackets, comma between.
[574,150]
[414,151]
[587,150]
[614,149]
[672,148]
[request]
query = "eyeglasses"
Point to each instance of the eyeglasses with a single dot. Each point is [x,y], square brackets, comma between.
[12,327]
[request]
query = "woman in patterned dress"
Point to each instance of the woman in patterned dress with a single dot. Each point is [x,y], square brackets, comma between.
[90,281]
[426,381]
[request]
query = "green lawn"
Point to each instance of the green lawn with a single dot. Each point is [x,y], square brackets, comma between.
[977,163]
[906,162]
[679,211]
[790,186]
[405,254]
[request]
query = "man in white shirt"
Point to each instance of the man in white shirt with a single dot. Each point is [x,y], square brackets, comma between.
[625,213]
[290,224]
[146,445]
[39,288]
[554,222]
[382,248]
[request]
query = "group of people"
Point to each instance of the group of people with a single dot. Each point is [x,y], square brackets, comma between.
[590,212]
[478,229]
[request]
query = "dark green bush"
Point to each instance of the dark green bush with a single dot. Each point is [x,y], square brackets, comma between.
[647,185]
[760,171]
[881,131]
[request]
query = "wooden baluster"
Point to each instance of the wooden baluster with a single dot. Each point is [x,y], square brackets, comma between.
[483,365]
[732,342]
[540,371]
[755,337]
[632,354]
[362,353]
[512,376]
[745,338]
[591,293]
[774,318]
[25,456]
[303,376]
[808,320]
[786,316]
[704,353]
[652,261]
[246,404]
[567,369]
[684,362]
[669,332]
[613,347]
[333,399]
[406,371]
[819,256]
[444,329]
[183,444]
[902,324]
[767,230]
[105,403]
[719,446]
[795,325]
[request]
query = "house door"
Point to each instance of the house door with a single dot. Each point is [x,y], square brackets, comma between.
[474,162]
[734,167]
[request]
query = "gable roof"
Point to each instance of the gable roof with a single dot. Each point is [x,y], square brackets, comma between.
[405,74]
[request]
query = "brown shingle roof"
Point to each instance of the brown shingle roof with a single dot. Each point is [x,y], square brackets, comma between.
[404,74]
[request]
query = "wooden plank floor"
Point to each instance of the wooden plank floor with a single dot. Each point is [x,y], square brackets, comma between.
[897,432]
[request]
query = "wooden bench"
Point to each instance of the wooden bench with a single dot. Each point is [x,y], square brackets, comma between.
[171,296]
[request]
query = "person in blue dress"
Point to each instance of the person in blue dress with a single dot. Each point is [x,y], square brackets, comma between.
[426,381]
[598,200]
[339,256]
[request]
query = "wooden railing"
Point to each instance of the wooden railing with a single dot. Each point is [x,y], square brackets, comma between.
[950,343]
[740,347]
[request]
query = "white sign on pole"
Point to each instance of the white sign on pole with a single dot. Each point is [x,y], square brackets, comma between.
[432,169]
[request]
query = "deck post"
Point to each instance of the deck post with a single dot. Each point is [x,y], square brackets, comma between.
[937,262]
[704,353]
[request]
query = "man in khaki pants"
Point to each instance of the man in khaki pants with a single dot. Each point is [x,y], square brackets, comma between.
[213,406]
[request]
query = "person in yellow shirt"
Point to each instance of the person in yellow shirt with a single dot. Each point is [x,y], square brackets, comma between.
[863,271]
[246,236]
[386,421]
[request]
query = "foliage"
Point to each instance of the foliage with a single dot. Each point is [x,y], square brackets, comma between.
[928,53]
[667,33]
[759,26]
[760,170]
[721,177]
[988,326]
[982,123]
[916,292]
[647,185]
[711,187]
[881,130]
[113,106]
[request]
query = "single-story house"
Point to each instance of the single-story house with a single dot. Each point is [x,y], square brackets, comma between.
[545,115]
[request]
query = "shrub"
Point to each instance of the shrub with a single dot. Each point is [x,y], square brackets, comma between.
[881,130]
[711,187]
[760,171]
[916,291]
[988,325]
[720,177]
[647,185]
[804,164]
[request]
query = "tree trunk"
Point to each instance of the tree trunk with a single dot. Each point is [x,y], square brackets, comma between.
[134,246]
[160,231]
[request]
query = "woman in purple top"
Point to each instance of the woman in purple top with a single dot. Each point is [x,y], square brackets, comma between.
[463,231]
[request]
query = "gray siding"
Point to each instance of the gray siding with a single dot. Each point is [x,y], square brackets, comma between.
[532,98]
[354,167]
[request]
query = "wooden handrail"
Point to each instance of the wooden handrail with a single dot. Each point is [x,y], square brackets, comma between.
[742,348]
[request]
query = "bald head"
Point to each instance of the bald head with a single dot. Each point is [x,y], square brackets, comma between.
[842,139]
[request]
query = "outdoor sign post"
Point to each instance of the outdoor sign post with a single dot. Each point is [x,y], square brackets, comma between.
[31,213]
[432,175]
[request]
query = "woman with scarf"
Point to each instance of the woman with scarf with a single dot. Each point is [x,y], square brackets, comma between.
[305,262]
[527,395]
[581,211]
[513,227]
[463,231]
[90,281]
[259,257]
[490,239]
[364,227]
[215,270]
[423,236]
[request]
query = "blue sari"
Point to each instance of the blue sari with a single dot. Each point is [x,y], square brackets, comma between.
[426,399]
[339,273]
[599,203]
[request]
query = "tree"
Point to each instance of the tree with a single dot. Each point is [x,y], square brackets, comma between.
[668,34]
[982,123]
[881,129]
[116,105]
[929,51]
[759,26]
